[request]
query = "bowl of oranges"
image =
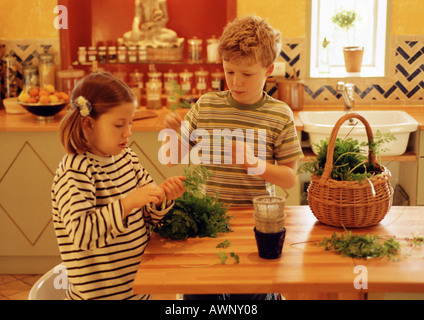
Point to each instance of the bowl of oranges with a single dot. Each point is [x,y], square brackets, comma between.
[44,103]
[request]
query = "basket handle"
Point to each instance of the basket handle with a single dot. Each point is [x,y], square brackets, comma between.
[330,148]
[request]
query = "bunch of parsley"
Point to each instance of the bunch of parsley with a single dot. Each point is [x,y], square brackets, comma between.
[349,161]
[195,214]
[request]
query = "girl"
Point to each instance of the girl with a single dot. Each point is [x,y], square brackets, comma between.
[104,201]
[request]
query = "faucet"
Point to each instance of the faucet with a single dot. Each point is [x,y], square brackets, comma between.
[347,91]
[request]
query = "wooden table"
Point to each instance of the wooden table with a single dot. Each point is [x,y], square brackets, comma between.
[181,266]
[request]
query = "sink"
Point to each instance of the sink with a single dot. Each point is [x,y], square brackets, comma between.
[318,124]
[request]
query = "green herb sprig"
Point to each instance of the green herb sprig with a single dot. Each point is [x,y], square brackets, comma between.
[195,214]
[361,246]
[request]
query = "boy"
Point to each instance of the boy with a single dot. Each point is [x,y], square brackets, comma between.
[248,48]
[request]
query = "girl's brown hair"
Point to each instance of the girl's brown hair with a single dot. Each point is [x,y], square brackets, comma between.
[252,38]
[103,91]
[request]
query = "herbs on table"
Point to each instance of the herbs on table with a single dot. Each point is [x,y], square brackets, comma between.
[195,214]
[361,246]
[349,161]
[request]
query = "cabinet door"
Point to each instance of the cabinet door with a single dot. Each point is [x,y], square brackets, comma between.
[420,187]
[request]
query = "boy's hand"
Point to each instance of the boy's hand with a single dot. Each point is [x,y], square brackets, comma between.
[173,187]
[173,121]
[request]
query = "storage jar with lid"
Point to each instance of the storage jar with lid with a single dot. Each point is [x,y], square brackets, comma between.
[10,75]
[195,49]
[136,84]
[30,77]
[212,49]
[46,70]
[102,54]
[68,79]
[201,81]
[111,54]
[132,54]
[122,54]
[92,54]
[217,81]
[186,80]
[153,94]
[82,55]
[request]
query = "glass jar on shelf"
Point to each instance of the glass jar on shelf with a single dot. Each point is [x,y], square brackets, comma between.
[136,84]
[82,54]
[10,75]
[217,81]
[212,49]
[92,54]
[102,54]
[132,54]
[171,84]
[122,54]
[68,79]
[201,81]
[111,54]
[195,49]
[46,70]
[153,94]
[30,77]
[186,79]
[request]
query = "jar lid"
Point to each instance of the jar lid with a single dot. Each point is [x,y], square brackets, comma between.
[112,48]
[102,48]
[46,57]
[185,74]
[194,40]
[170,74]
[154,74]
[70,73]
[201,73]
[81,48]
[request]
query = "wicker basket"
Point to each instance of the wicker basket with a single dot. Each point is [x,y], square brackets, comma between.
[350,203]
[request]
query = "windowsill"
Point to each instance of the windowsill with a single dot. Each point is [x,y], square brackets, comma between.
[340,72]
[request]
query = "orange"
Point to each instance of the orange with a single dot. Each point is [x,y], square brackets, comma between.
[34,92]
[44,99]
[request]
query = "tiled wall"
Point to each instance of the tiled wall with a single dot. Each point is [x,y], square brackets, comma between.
[27,51]
[404,84]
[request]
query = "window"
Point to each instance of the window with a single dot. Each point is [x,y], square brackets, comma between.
[369,32]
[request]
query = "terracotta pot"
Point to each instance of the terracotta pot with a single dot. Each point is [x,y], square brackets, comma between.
[291,92]
[353,58]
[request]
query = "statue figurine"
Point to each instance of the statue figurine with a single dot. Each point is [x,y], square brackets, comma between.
[149,26]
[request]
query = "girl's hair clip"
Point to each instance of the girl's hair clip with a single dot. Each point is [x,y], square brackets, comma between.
[83,105]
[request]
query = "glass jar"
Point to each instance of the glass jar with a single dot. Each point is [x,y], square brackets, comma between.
[142,53]
[186,80]
[46,70]
[195,49]
[212,49]
[136,84]
[170,79]
[154,76]
[30,77]
[132,54]
[111,54]
[217,81]
[92,54]
[153,94]
[122,54]
[68,79]
[201,81]
[82,55]
[102,54]
[10,74]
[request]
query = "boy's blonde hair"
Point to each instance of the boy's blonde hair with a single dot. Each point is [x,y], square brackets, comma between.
[250,37]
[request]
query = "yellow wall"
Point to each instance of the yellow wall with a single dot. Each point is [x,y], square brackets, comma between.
[407,17]
[289,16]
[27,19]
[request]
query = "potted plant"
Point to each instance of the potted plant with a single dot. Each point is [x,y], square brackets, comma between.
[345,20]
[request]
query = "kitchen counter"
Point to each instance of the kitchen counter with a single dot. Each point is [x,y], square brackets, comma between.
[170,266]
[27,122]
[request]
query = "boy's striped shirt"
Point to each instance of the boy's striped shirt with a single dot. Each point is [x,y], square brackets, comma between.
[215,112]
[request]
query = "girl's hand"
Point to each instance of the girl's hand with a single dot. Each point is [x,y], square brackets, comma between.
[150,193]
[173,187]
